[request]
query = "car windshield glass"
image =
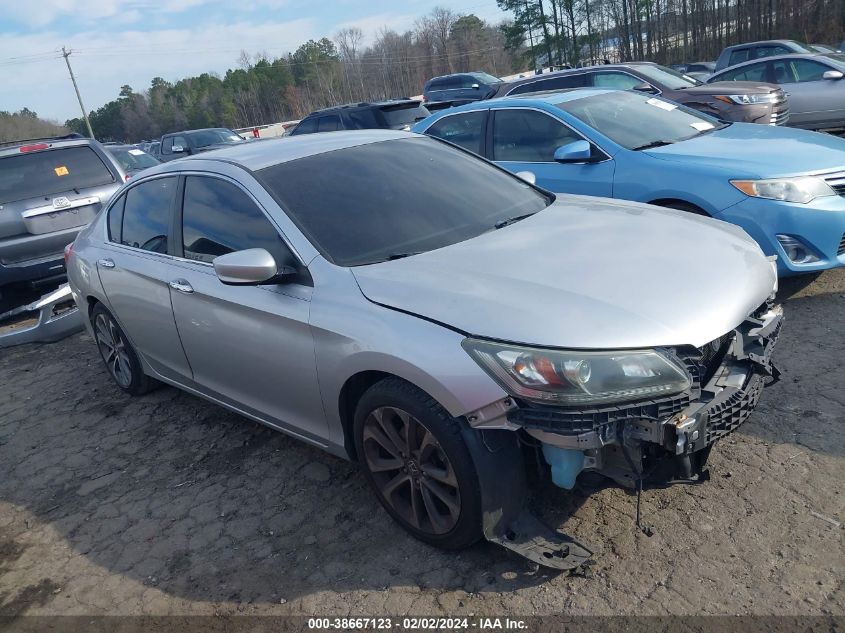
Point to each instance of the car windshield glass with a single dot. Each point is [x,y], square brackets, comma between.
[672,79]
[132,158]
[637,121]
[800,47]
[487,79]
[403,115]
[36,174]
[204,138]
[836,59]
[380,201]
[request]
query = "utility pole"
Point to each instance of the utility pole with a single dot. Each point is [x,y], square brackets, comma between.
[66,54]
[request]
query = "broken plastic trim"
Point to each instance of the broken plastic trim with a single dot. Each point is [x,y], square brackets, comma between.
[55,317]
[507,521]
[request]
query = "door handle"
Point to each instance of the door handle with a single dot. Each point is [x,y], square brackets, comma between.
[105,263]
[182,286]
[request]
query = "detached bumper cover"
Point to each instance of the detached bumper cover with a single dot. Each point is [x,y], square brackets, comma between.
[51,318]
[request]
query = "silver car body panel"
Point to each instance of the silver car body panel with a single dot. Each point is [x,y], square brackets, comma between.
[580,275]
[281,355]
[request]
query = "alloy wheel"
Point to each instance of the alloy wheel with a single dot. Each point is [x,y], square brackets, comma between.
[411,470]
[113,348]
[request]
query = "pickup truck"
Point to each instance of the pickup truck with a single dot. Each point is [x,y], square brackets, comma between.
[188,142]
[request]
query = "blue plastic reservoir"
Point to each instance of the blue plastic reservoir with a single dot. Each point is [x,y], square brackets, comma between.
[566,464]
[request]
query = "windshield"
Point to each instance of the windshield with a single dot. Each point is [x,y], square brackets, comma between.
[487,79]
[836,59]
[637,121]
[219,136]
[37,174]
[380,201]
[132,158]
[671,79]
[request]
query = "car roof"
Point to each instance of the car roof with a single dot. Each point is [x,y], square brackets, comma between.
[764,42]
[254,156]
[769,58]
[363,104]
[540,98]
[13,147]
[199,129]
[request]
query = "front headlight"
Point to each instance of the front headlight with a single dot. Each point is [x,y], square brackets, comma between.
[748,99]
[803,189]
[578,378]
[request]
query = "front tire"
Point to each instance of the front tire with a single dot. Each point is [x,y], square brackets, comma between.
[117,353]
[413,456]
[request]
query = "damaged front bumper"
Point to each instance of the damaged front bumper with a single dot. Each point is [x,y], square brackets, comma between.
[666,439]
[655,442]
[51,318]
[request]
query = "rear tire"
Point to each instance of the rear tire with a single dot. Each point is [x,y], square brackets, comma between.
[121,361]
[415,459]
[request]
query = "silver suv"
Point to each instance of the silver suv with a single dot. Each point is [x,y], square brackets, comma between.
[345,289]
[49,189]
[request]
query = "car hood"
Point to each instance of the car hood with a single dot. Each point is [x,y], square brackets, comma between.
[729,88]
[589,273]
[746,150]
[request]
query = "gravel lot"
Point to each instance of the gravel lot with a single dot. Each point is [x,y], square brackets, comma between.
[167,504]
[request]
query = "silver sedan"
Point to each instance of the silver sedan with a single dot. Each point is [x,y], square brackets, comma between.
[814,85]
[401,302]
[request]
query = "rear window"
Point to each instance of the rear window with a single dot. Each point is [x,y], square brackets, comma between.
[49,172]
[404,115]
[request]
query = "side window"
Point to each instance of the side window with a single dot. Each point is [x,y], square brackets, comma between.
[116,219]
[804,69]
[528,136]
[330,123]
[553,83]
[180,141]
[621,81]
[468,81]
[754,72]
[461,129]
[167,145]
[308,126]
[784,72]
[219,218]
[739,56]
[146,215]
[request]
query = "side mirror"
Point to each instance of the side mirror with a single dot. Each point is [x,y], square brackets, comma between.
[177,149]
[833,74]
[527,176]
[475,86]
[248,268]
[574,152]
[645,87]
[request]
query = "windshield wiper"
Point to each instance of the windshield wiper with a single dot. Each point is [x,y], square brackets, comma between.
[653,144]
[393,256]
[503,223]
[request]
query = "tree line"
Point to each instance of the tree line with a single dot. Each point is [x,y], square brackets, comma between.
[573,32]
[538,33]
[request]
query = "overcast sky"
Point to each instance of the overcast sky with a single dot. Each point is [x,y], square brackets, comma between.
[118,42]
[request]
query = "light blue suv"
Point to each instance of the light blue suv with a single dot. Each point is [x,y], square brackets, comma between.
[785,187]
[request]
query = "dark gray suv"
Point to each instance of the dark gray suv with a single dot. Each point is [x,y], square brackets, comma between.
[49,189]
[460,88]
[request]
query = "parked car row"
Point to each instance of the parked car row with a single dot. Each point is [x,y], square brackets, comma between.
[488,290]
[638,147]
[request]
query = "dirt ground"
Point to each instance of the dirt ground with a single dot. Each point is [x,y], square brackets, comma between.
[167,504]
